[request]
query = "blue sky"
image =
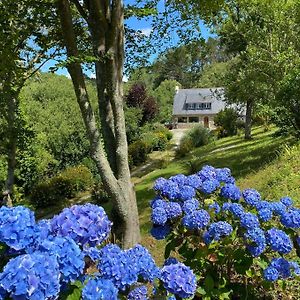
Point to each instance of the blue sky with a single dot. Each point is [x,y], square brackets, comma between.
[143,25]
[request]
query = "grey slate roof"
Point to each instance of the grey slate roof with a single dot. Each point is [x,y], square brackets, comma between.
[212,95]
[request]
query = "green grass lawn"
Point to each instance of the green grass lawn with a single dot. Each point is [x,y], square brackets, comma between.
[267,163]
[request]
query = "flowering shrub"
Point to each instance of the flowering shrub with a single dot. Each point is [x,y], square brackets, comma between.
[227,236]
[50,259]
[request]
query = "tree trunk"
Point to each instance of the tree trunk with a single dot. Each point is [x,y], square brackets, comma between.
[248,123]
[11,149]
[117,182]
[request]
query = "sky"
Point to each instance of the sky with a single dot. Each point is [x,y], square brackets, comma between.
[144,25]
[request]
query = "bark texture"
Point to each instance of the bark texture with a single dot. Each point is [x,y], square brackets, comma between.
[105,23]
[248,123]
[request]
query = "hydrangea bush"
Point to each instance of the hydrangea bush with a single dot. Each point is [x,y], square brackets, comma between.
[235,241]
[70,257]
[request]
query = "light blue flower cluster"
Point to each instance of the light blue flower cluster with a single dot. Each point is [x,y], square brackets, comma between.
[17,227]
[256,241]
[85,224]
[179,279]
[231,191]
[279,241]
[99,289]
[31,276]
[197,219]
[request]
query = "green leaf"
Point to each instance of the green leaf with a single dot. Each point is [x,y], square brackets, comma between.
[169,247]
[209,283]
[200,290]
[73,292]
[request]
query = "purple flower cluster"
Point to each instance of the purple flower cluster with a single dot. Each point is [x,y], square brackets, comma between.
[85,224]
[179,279]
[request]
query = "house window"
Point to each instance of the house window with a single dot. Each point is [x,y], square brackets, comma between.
[198,106]
[182,120]
[193,119]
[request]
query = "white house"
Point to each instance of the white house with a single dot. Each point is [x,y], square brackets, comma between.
[197,106]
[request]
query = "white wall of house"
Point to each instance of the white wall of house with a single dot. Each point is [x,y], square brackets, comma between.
[186,121]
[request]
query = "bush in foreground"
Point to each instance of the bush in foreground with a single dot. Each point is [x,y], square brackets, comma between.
[237,243]
[70,257]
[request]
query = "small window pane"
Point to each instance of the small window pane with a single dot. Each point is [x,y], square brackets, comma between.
[194,119]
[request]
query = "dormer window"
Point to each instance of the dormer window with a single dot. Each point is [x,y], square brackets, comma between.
[198,106]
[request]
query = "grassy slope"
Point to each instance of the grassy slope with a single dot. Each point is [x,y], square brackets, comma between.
[264,163]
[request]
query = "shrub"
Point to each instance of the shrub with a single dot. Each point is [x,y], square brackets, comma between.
[137,153]
[227,122]
[193,138]
[155,141]
[64,185]
[236,243]
[69,257]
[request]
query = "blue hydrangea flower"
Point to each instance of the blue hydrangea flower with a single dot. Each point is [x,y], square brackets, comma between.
[171,261]
[207,173]
[271,274]
[231,191]
[186,192]
[69,256]
[215,206]
[170,189]
[180,179]
[174,210]
[279,241]
[160,232]
[295,267]
[17,227]
[31,276]
[265,214]
[159,184]
[92,252]
[251,197]
[291,219]
[263,205]
[249,221]
[256,241]
[159,216]
[115,265]
[226,206]
[190,205]
[179,280]
[158,202]
[196,220]
[278,208]
[216,231]
[230,179]
[99,289]
[85,224]
[209,186]
[139,293]
[223,174]
[282,266]
[236,209]
[142,261]
[287,201]
[193,181]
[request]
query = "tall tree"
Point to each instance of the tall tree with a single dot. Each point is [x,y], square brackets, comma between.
[23,50]
[105,24]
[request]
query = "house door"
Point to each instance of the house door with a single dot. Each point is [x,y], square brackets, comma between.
[206,122]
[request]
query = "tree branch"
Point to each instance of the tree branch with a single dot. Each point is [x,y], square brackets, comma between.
[81,10]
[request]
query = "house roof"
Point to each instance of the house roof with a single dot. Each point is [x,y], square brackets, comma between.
[212,95]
